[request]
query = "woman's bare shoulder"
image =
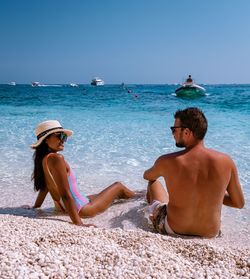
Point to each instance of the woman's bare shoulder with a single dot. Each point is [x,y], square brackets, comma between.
[54,159]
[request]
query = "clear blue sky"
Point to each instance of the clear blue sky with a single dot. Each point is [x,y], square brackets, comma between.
[131,41]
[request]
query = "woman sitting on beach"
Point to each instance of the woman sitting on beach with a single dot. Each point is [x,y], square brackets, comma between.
[53,174]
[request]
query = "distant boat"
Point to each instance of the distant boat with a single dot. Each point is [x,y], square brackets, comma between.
[73,85]
[190,89]
[97,81]
[13,83]
[35,84]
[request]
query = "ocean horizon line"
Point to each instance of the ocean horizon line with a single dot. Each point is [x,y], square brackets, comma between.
[122,83]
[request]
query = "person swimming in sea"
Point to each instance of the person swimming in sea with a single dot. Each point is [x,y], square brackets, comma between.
[52,174]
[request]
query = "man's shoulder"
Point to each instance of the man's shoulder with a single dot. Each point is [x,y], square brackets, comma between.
[201,153]
[218,154]
[220,157]
[170,156]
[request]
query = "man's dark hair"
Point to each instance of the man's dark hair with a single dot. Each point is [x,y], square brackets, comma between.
[194,119]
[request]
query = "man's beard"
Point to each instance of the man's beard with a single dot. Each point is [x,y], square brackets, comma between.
[180,144]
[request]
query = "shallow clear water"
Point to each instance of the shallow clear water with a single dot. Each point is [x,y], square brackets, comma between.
[117,134]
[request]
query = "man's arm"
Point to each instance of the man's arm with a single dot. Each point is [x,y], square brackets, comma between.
[154,172]
[234,196]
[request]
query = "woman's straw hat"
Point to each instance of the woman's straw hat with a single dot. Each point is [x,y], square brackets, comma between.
[46,128]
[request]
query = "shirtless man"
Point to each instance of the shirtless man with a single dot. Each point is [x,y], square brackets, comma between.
[198,180]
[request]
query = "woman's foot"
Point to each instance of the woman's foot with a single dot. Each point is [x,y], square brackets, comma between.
[140,194]
[125,193]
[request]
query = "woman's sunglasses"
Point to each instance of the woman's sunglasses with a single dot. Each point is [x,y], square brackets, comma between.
[61,136]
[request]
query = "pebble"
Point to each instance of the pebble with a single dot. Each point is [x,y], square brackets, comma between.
[39,248]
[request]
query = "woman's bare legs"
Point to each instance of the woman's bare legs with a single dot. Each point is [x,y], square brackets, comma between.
[156,192]
[100,202]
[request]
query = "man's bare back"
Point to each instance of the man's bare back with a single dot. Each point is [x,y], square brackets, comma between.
[198,181]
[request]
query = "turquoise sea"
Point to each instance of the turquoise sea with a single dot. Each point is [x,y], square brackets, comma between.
[119,131]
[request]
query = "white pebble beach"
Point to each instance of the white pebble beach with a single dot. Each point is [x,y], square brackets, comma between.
[38,244]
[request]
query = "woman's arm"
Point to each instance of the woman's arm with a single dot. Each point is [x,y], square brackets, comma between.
[40,198]
[58,170]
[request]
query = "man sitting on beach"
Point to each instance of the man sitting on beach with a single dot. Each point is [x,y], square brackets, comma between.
[198,180]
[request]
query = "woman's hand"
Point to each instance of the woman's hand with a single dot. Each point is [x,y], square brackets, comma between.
[89,225]
[85,225]
[26,206]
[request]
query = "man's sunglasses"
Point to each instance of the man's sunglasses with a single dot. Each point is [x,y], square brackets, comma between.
[61,136]
[173,128]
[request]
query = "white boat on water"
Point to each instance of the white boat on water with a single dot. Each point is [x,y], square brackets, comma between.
[190,89]
[97,81]
[13,83]
[35,84]
[73,84]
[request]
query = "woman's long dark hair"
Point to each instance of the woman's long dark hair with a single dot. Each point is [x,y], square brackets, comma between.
[38,174]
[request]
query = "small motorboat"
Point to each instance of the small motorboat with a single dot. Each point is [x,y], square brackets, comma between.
[13,83]
[73,84]
[35,84]
[190,89]
[97,82]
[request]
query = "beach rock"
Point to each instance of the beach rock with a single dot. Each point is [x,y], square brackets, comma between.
[44,248]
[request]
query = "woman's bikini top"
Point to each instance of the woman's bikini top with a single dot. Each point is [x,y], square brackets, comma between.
[79,199]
